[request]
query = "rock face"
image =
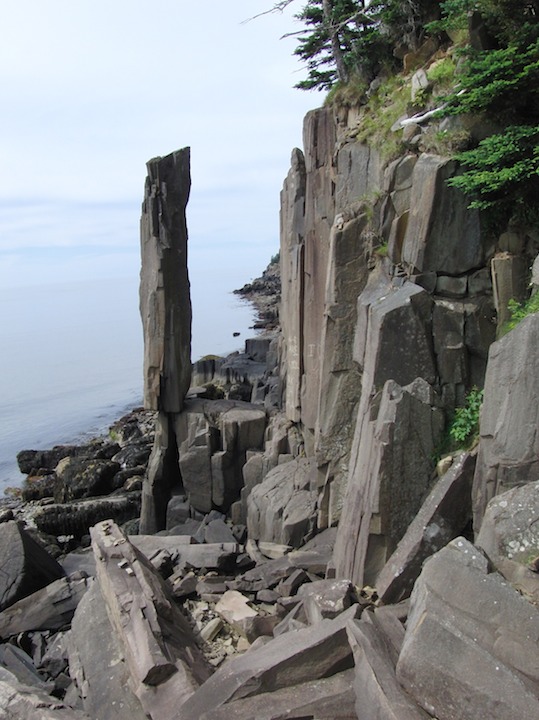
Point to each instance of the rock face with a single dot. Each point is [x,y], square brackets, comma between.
[509,448]
[443,516]
[374,257]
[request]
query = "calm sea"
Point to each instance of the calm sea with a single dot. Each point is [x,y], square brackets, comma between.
[71,360]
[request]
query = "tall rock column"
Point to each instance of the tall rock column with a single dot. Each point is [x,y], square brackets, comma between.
[165,308]
[292,277]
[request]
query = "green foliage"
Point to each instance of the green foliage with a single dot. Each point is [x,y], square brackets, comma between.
[315,46]
[454,17]
[464,429]
[503,81]
[363,35]
[442,72]
[502,173]
[521,310]
[275,258]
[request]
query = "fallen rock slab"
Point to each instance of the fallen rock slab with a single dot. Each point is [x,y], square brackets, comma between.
[470,648]
[378,693]
[26,566]
[48,609]
[442,517]
[97,664]
[214,556]
[287,660]
[328,699]
[164,663]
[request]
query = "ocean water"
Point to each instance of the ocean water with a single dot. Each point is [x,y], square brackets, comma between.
[71,359]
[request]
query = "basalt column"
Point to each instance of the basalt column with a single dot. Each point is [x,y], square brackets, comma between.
[165,308]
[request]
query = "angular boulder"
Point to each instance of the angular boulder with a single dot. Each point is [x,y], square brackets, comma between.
[26,566]
[509,535]
[470,648]
[442,517]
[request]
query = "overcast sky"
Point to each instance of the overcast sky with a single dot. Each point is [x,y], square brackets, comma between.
[92,89]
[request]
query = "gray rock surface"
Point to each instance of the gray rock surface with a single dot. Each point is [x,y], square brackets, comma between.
[50,608]
[328,699]
[26,566]
[439,221]
[390,473]
[282,509]
[165,303]
[164,664]
[443,516]
[292,229]
[510,537]
[509,447]
[470,649]
[24,702]
[76,517]
[97,663]
[378,693]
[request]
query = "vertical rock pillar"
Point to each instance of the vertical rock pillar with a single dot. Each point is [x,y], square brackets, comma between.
[165,308]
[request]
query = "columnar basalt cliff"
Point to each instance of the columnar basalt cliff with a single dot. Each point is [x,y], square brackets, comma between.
[305,547]
[385,278]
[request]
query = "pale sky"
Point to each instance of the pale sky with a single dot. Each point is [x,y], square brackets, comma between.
[92,89]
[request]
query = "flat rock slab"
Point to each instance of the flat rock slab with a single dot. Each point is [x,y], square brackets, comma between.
[26,566]
[290,659]
[50,608]
[329,699]
[471,643]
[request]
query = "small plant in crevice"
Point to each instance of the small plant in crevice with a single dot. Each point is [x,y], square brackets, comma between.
[464,428]
[521,310]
